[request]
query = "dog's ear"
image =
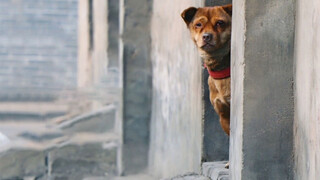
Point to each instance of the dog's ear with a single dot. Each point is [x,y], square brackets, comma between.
[188,14]
[228,9]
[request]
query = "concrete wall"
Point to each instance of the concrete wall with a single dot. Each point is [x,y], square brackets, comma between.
[100,41]
[38,45]
[262,90]
[113,33]
[137,82]
[307,88]
[93,44]
[84,55]
[237,89]
[176,132]
[217,2]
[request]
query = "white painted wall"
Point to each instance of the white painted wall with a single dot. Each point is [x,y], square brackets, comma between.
[307,92]
[177,99]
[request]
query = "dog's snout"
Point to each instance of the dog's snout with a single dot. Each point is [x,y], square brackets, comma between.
[207,37]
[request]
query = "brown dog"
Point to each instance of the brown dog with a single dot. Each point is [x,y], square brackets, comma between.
[210,29]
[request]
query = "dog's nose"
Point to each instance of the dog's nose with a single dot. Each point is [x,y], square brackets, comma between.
[207,37]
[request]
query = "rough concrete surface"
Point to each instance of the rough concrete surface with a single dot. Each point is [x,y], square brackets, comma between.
[79,161]
[113,33]
[139,176]
[189,176]
[176,139]
[237,88]
[137,83]
[307,88]
[20,163]
[263,120]
[217,2]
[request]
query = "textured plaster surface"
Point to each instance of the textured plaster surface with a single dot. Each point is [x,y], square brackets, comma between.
[262,121]
[137,83]
[307,88]
[237,88]
[176,138]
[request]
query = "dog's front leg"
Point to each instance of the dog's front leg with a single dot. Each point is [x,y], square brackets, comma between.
[223,110]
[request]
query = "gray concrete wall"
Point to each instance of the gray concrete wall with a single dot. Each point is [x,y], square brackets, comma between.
[113,33]
[217,2]
[307,88]
[137,82]
[176,132]
[262,90]
[38,45]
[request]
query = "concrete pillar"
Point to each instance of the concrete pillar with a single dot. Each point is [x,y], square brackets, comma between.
[100,38]
[135,52]
[113,33]
[262,90]
[92,42]
[215,140]
[176,128]
[307,86]
[84,56]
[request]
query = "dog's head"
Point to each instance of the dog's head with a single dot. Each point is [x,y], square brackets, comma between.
[210,29]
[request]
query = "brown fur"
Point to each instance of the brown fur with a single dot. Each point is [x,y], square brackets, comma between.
[215,52]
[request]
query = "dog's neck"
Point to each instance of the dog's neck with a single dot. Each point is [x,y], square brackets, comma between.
[218,63]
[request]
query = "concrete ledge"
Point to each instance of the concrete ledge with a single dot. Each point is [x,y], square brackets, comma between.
[141,176]
[215,170]
[98,121]
[189,176]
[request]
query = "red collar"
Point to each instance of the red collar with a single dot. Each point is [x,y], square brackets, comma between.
[225,73]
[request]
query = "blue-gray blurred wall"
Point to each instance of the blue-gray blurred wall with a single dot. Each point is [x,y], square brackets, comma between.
[38,46]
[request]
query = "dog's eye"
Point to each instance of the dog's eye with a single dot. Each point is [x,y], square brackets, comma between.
[220,23]
[198,25]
